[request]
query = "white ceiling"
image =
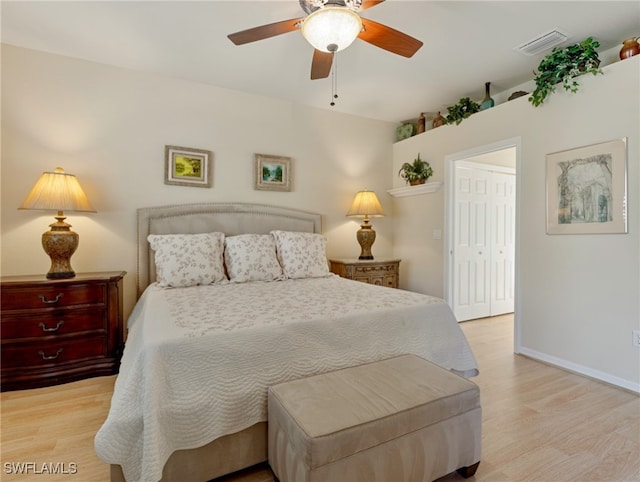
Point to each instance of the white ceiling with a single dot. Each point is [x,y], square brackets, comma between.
[465,45]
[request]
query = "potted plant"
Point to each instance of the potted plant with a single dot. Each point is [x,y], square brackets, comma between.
[416,172]
[460,111]
[563,65]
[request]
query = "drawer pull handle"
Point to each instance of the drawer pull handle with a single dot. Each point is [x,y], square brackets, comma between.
[50,357]
[44,299]
[55,328]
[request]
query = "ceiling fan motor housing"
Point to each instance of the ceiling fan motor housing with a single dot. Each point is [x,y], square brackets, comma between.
[310,6]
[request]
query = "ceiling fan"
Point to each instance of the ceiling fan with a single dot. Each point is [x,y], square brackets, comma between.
[331,26]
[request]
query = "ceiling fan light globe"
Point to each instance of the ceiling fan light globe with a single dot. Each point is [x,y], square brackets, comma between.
[331,29]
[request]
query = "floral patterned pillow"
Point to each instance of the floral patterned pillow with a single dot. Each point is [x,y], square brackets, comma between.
[188,259]
[302,255]
[251,257]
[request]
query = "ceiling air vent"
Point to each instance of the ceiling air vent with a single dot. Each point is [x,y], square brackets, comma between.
[543,42]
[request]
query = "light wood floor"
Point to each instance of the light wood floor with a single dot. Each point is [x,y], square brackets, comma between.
[540,424]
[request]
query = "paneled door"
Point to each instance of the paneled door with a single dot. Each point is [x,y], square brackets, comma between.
[484,244]
[503,208]
[471,250]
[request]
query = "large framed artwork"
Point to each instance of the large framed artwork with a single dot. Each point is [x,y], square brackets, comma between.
[184,166]
[587,189]
[272,173]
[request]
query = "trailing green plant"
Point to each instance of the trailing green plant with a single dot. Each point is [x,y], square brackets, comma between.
[415,171]
[460,111]
[564,65]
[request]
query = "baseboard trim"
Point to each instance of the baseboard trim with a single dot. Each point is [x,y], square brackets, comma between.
[581,370]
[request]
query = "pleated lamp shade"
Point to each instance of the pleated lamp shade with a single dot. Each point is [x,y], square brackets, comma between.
[366,205]
[57,191]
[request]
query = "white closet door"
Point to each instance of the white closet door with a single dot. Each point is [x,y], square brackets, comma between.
[502,243]
[472,253]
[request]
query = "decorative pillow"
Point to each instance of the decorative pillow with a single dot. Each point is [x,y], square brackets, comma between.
[188,259]
[251,257]
[302,255]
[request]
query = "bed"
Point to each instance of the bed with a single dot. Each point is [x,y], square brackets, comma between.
[189,403]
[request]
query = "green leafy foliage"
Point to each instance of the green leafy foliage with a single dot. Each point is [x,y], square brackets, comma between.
[564,65]
[460,111]
[416,170]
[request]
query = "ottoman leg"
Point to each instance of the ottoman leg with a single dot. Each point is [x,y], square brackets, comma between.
[470,471]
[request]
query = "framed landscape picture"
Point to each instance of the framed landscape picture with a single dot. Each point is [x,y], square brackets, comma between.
[187,167]
[587,189]
[272,173]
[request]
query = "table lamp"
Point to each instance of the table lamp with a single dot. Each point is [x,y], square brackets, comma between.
[58,191]
[366,205]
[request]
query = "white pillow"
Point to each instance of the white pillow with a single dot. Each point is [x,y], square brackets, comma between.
[188,259]
[302,255]
[251,257]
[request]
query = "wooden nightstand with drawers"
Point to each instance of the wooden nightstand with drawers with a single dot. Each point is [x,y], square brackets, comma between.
[57,331]
[382,272]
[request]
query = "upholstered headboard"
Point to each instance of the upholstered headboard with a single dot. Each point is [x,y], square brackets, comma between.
[228,218]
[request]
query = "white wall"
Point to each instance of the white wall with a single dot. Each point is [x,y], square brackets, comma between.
[579,295]
[109,126]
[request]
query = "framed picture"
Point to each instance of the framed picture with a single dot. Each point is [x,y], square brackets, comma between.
[272,173]
[187,167]
[587,189]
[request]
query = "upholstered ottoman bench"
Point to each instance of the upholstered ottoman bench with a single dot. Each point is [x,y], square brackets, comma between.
[401,419]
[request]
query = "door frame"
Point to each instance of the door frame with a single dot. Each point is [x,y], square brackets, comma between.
[449,164]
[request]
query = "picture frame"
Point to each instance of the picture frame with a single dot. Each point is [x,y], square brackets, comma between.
[587,189]
[185,166]
[272,173]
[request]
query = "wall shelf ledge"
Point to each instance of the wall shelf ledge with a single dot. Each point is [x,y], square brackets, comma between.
[425,188]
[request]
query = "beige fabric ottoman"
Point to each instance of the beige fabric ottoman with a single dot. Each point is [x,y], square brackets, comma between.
[401,419]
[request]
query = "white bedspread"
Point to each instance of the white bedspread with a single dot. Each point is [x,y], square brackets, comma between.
[198,361]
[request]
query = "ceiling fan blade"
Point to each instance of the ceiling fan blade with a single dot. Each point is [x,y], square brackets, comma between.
[389,39]
[369,3]
[321,64]
[265,31]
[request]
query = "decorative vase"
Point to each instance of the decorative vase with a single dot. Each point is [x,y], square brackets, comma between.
[415,182]
[630,47]
[404,131]
[487,102]
[421,123]
[437,121]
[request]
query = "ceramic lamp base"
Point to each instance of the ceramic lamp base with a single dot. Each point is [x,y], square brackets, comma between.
[366,236]
[60,243]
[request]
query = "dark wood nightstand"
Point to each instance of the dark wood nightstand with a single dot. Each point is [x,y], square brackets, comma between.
[382,272]
[57,331]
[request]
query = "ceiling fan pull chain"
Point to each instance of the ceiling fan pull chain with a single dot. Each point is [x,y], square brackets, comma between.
[334,79]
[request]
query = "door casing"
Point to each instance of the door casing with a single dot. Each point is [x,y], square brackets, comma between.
[449,162]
